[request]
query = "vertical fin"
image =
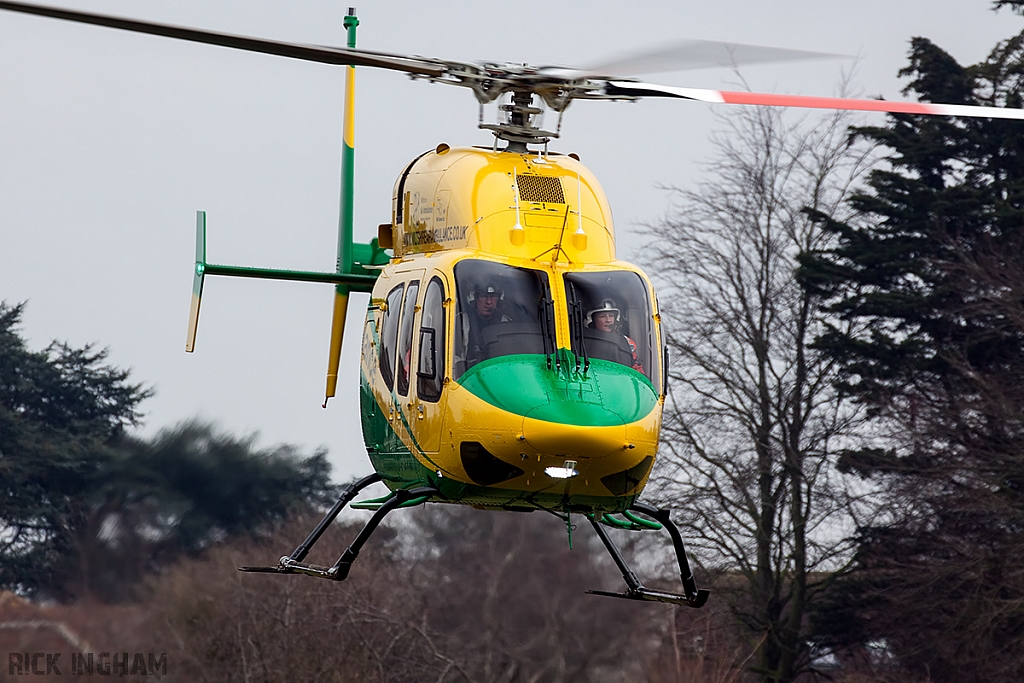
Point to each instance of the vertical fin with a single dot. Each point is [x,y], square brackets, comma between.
[337,333]
[197,281]
[345,216]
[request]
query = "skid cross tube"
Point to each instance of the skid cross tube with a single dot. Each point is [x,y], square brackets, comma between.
[347,494]
[293,564]
[341,568]
[685,574]
[635,590]
[632,582]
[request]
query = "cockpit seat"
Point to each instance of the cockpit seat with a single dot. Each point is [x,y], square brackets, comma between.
[607,346]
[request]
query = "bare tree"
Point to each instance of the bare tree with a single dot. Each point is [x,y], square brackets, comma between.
[452,595]
[752,422]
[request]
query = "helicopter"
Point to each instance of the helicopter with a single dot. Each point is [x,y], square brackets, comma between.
[547,408]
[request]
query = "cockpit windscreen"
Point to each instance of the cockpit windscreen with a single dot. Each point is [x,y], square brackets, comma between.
[501,311]
[613,320]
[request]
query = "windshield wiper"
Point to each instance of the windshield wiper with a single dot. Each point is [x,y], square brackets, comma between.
[547,319]
[576,323]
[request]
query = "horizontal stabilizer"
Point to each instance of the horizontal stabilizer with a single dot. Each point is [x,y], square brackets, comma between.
[360,281]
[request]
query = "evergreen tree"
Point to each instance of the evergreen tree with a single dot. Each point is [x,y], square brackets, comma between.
[208,486]
[182,492]
[62,411]
[933,275]
[88,510]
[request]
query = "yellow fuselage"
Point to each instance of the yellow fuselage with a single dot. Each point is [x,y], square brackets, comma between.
[491,430]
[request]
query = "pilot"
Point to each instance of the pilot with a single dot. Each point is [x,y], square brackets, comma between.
[486,300]
[606,319]
[486,304]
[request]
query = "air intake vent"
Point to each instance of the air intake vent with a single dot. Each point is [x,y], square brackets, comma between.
[623,482]
[483,468]
[539,188]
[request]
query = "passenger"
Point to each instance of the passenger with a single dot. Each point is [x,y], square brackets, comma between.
[606,319]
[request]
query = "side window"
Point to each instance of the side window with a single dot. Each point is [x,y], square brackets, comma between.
[431,368]
[389,336]
[404,359]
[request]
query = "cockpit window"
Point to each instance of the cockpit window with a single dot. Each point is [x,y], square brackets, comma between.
[610,319]
[501,311]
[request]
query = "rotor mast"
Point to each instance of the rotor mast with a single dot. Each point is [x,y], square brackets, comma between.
[518,128]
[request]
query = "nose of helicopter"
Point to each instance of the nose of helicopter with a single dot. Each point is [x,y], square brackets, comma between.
[574,441]
[566,413]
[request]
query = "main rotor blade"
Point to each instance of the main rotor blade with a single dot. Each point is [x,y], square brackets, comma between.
[631,89]
[698,54]
[309,53]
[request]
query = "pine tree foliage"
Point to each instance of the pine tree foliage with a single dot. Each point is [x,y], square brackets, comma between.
[1015,5]
[930,281]
[203,486]
[61,412]
[86,509]
[184,491]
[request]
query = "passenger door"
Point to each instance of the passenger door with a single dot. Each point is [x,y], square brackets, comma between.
[428,396]
[403,390]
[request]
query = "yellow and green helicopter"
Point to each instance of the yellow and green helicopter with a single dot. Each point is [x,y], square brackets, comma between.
[509,360]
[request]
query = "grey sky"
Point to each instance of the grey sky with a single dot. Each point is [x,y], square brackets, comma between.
[109,143]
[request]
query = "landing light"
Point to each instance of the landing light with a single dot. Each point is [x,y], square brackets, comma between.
[566,471]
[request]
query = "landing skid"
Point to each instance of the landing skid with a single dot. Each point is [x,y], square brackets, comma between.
[649,595]
[293,564]
[692,596]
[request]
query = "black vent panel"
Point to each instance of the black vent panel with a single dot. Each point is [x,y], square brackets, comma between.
[483,468]
[623,482]
[540,188]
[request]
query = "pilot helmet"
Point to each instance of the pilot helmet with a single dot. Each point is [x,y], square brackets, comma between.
[488,288]
[607,306]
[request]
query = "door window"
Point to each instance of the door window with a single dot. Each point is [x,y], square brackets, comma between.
[389,336]
[430,372]
[404,359]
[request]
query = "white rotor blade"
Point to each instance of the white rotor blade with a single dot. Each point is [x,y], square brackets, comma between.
[631,89]
[698,54]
